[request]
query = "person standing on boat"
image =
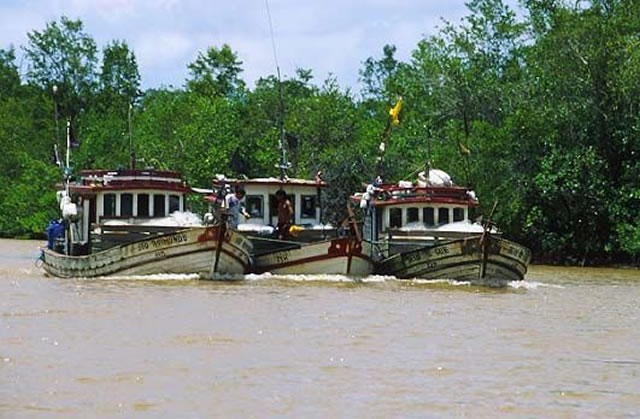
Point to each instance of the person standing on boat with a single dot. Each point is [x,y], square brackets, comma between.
[285,213]
[234,206]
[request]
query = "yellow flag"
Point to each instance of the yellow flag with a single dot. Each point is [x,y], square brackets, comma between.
[395,112]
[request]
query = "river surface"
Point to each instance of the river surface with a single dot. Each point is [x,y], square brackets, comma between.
[563,343]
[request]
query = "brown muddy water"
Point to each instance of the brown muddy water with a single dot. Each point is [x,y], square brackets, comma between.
[563,343]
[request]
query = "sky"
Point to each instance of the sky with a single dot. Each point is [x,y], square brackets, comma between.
[328,36]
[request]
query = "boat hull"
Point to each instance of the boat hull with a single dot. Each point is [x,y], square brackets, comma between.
[340,256]
[494,261]
[188,251]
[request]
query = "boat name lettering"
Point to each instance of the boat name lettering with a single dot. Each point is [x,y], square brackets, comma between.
[421,258]
[159,254]
[514,252]
[168,241]
[281,257]
[415,257]
[441,250]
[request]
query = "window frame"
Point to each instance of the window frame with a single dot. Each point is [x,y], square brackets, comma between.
[432,217]
[174,202]
[441,211]
[156,200]
[248,205]
[460,212]
[112,205]
[393,218]
[417,215]
[140,198]
[126,199]
[303,199]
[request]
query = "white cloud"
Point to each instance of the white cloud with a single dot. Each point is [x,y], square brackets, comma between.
[332,36]
[161,49]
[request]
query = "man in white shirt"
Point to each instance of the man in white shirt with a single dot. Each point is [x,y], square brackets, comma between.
[234,206]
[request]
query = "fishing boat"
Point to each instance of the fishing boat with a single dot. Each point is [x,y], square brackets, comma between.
[127,222]
[310,247]
[133,222]
[423,229]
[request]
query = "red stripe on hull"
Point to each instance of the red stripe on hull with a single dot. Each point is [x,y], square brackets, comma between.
[309,260]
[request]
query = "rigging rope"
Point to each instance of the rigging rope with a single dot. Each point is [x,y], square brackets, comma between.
[273,42]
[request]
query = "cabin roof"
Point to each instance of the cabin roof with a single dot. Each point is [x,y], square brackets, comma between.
[390,195]
[93,181]
[131,172]
[272,181]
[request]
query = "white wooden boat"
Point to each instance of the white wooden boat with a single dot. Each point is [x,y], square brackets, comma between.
[313,248]
[480,259]
[338,256]
[186,251]
[115,223]
[423,230]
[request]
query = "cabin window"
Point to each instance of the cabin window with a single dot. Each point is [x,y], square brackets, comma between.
[126,205]
[458,214]
[174,203]
[92,210]
[109,205]
[395,217]
[428,216]
[143,205]
[443,215]
[255,206]
[413,216]
[158,206]
[273,207]
[308,209]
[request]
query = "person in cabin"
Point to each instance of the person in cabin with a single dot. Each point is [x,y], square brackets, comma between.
[233,204]
[285,213]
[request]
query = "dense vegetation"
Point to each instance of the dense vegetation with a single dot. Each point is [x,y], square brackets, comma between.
[548,102]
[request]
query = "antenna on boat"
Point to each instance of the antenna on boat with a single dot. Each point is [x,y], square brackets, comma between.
[427,161]
[132,154]
[67,167]
[284,165]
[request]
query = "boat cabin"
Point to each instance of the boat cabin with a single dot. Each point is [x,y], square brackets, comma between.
[414,209]
[122,197]
[261,203]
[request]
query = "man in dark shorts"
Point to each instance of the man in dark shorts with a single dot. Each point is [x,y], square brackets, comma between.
[285,214]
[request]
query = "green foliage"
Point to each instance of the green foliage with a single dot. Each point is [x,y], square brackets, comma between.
[9,77]
[62,61]
[216,73]
[119,76]
[32,187]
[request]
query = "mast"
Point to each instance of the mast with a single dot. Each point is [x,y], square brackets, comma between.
[67,168]
[284,164]
[132,153]
[67,175]
[392,120]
